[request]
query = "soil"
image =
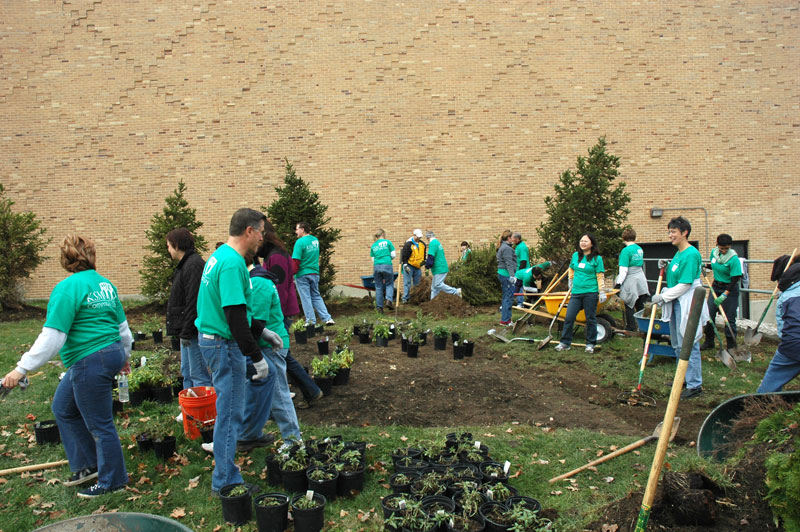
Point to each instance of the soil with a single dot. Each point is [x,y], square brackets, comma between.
[24,312]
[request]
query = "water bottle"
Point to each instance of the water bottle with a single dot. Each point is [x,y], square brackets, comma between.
[122,389]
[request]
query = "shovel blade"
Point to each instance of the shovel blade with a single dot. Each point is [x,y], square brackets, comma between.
[675,422]
[726,358]
[543,343]
[751,337]
[742,354]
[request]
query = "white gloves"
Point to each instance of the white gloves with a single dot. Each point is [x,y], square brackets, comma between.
[273,338]
[662,263]
[603,297]
[513,279]
[406,268]
[262,369]
[657,299]
[569,283]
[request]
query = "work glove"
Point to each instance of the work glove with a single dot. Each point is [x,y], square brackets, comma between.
[706,267]
[662,263]
[406,268]
[602,298]
[262,369]
[657,299]
[569,284]
[185,342]
[273,338]
[720,299]
[617,286]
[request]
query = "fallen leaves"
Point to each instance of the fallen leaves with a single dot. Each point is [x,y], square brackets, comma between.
[193,483]
[31,417]
[177,513]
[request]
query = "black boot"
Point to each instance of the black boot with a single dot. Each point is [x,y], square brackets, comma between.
[709,342]
[731,343]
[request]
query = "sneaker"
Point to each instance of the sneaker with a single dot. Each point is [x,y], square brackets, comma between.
[688,393]
[79,477]
[179,418]
[389,305]
[589,348]
[306,403]
[505,323]
[96,491]
[562,347]
[330,322]
[288,445]
[208,447]
[291,395]
[265,440]
[458,292]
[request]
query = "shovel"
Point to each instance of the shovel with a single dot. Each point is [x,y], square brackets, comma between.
[494,334]
[743,353]
[524,319]
[628,448]
[751,336]
[550,329]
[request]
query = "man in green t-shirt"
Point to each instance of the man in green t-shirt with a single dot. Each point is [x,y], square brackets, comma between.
[727,269]
[683,276]
[226,332]
[437,264]
[305,257]
[382,252]
[523,256]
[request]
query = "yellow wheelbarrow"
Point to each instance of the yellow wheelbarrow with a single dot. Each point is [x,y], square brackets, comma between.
[552,303]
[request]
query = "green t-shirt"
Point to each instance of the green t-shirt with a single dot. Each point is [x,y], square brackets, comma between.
[84,306]
[585,279]
[526,276]
[436,250]
[225,283]
[465,255]
[684,267]
[306,250]
[382,251]
[724,272]
[267,308]
[522,253]
[632,255]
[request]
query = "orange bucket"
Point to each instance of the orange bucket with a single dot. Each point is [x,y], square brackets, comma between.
[200,410]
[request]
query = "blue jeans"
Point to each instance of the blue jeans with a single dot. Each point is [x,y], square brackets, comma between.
[193,368]
[282,406]
[308,290]
[384,283]
[694,373]
[410,280]
[587,303]
[227,367]
[438,285]
[508,296]
[781,370]
[298,374]
[82,408]
[258,397]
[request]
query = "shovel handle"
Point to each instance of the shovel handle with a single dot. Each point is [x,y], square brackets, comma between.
[650,326]
[34,467]
[606,458]
[769,304]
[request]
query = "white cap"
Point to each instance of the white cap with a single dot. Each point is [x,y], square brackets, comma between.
[418,233]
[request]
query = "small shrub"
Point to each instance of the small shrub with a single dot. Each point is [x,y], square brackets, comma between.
[477,277]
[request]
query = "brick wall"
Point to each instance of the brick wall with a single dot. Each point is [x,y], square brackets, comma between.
[456,116]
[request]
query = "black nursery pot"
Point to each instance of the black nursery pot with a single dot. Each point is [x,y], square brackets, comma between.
[325,487]
[363,337]
[439,343]
[403,344]
[458,351]
[272,518]
[320,328]
[294,481]
[165,447]
[322,346]
[423,338]
[310,330]
[300,337]
[158,337]
[381,341]
[342,377]
[238,509]
[176,343]
[207,435]
[139,336]
[468,348]
[455,337]
[163,395]
[350,481]
[140,396]
[46,432]
[404,487]
[312,519]
[325,384]
[145,442]
[388,503]
[273,470]
[527,502]
[413,350]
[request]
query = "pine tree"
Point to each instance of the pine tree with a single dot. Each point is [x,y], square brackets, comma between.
[586,201]
[21,244]
[297,203]
[157,269]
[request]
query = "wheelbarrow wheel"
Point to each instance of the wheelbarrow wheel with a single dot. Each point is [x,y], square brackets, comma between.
[604,330]
[610,319]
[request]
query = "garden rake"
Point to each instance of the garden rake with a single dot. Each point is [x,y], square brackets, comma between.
[751,336]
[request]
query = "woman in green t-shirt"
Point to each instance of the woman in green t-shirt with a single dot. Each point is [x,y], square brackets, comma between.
[586,282]
[87,326]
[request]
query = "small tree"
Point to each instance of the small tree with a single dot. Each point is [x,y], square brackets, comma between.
[296,203]
[586,201]
[156,272]
[477,277]
[21,244]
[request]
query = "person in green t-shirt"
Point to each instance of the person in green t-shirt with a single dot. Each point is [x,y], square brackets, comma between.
[437,264]
[87,326]
[727,269]
[523,256]
[466,251]
[683,276]
[305,257]
[631,280]
[382,252]
[586,282]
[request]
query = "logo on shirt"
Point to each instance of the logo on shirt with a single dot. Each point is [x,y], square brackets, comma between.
[103,298]
[210,263]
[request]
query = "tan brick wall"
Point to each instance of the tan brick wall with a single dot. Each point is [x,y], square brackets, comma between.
[455,116]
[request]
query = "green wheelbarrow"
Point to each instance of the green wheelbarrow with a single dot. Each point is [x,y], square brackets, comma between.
[712,441]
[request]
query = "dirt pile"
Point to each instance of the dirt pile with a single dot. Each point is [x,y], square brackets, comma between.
[422,292]
[447,305]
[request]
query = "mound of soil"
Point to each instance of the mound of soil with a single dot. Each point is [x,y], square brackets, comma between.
[23,312]
[422,292]
[447,305]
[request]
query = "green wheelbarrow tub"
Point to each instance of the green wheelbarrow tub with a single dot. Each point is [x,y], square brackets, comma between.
[712,440]
[117,522]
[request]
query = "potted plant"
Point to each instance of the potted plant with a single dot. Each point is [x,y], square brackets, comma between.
[311,330]
[412,519]
[237,507]
[430,483]
[381,334]
[351,473]
[461,523]
[46,432]
[308,512]
[343,338]
[440,333]
[323,346]
[493,471]
[344,361]
[469,500]
[164,442]
[324,480]
[458,351]
[401,482]
[498,491]
[324,370]
[364,333]
[272,512]
[298,328]
[468,346]
[293,468]
[152,324]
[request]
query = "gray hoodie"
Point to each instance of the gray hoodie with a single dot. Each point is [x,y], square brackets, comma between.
[507,259]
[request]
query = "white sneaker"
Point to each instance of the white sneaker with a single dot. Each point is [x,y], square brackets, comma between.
[589,348]
[208,447]
[458,292]
[562,347]
[330,322]
[288,445]
[291,394]
[179,418]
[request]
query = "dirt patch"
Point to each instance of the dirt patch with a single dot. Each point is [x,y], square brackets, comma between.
[422,292]
[24,312]
[447,305]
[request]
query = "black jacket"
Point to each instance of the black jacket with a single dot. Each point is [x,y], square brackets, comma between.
[182,304]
